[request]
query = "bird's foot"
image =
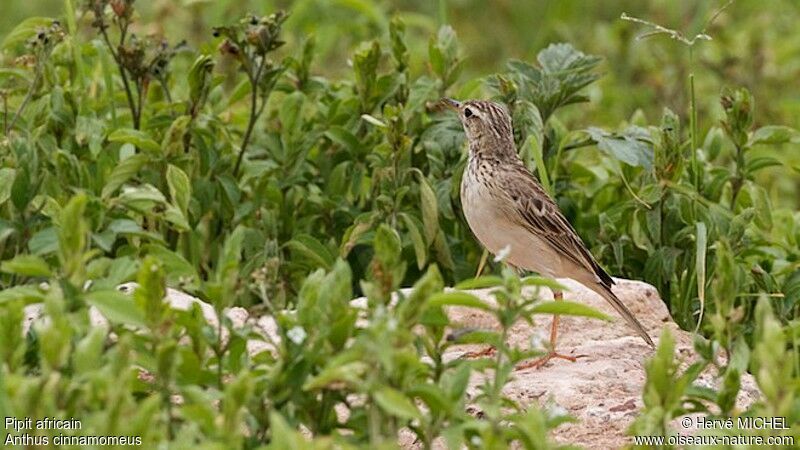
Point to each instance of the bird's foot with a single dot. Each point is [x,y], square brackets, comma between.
[488,351]
[540,362]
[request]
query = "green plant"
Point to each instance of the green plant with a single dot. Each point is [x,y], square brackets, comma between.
[275,180]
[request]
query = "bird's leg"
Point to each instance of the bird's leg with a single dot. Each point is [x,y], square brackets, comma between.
[482,264]
[540,362]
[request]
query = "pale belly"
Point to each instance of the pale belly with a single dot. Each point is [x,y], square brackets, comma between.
[496,232]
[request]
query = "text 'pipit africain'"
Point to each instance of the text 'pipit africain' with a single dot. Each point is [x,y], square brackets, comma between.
[509,211]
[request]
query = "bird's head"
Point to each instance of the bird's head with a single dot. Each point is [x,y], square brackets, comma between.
[487,124]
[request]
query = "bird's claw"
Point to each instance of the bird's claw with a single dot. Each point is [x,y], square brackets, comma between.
[488,351]
[540,362]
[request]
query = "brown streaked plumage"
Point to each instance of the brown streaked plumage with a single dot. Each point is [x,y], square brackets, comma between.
[506,206]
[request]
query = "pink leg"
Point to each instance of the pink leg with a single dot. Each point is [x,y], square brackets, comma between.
[540,362]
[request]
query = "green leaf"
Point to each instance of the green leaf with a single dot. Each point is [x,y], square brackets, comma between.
[373,120]
[774,135]
[433,396]
[430,209]
[568,308]
[6,182]
[312,249]
[180,188]
[627,147]
[535,280]
[481,282]
[123,172]
[25,30]
[290,113]
[176,217]
[396,403]
[136,137]
[414,231]
[334,374]
[141,198]
[457,299]
[387,245]
[116,307]
[27,294]
[27,265]
[44,241]
[700,268]
[175,265]
[148,298]
[541,169]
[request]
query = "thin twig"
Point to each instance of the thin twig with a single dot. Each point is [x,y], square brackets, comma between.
[125,82]
[28,96]
[254,113]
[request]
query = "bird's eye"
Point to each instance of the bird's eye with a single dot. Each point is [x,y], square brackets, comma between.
[467,112]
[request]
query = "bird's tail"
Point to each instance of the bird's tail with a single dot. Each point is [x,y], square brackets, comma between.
[623,310]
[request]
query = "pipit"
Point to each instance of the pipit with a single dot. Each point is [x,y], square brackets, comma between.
[510,213]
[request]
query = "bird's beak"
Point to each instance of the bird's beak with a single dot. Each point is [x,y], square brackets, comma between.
[450,103]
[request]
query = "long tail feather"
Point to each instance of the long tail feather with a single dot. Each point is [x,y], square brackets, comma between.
[623,310]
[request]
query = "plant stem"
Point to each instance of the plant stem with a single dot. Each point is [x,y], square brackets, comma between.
[128,93]
[693,125]
[254,114]
[28,96]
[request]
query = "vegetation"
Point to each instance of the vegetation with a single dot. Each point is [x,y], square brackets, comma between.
[250,167]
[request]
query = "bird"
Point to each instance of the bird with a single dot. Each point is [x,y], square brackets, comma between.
[511,214]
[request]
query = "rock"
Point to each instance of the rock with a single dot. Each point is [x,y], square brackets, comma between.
[602,389]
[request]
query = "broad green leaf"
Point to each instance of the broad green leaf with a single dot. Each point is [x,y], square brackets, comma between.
[442,249]
[174,137]
[481,282]
[175,265]
[89,351]
[27,294]
[6,182]
[180,188]
[344,138]
[176,217]
[396,403]
[290,113]
[142,198]
[774,135]
[457,299]
[116,307]
[415,233]
[138,138]
[542,281]
[123,172]
[387,245]
[335,374]
[309,247]
[148,298]
[27,265]
[626,147]
[568,308]
[25,30]
[433,396]
[430,209]
[44,241]
[73,234]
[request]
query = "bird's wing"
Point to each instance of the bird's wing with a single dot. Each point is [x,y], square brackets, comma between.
[536,211]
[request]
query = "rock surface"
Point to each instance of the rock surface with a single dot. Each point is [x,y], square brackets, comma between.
[602,389]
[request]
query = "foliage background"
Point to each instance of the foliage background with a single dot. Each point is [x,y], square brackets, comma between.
[352,170]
